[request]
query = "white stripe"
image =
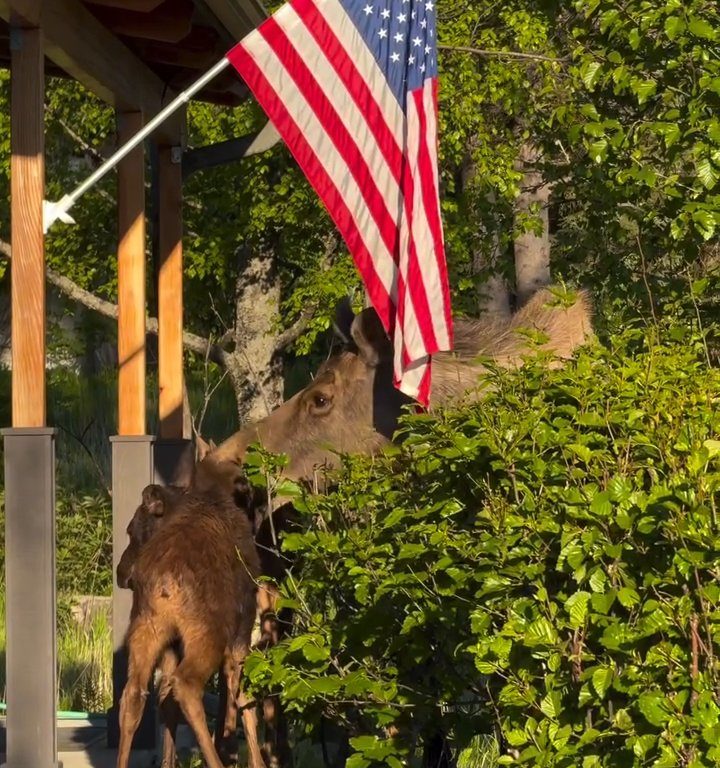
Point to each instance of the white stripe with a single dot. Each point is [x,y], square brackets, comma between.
[412,377]
[432,138]
[424,245]
[421,227]
[351,40]
[327,156]
[347,110]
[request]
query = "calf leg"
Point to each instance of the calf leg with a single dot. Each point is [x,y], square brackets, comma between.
[248,708]
[226,727]
[144,643]
[169,709]
[201,658]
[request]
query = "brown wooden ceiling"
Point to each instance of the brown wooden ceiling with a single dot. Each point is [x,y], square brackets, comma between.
[177,40]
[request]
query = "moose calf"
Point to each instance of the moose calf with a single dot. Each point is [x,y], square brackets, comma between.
[192,565]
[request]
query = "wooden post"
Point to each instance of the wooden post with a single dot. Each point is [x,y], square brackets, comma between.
[29,447]
[131,282]
[170,294]
[27,189]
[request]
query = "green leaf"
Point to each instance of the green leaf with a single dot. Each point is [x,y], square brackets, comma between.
[540,632]
[602,679]
[589,74]
[600,505]
[673,26]
[576,605]
[551,705]
[701,28]
[706,172]
[628,597]
[654,708]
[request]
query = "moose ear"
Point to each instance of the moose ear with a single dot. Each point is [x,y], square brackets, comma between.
[153,500]
[202,449]
[343,320]
[369,335]
[183,473]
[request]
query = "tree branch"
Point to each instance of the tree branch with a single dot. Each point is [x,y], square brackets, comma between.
[73,291]
[293,333]
[501,54]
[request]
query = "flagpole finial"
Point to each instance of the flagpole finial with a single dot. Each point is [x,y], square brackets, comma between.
[59,210]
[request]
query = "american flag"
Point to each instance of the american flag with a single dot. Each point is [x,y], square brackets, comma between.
[351,86]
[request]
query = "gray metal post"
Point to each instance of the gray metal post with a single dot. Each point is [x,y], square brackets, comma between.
[30,597]
[132,470]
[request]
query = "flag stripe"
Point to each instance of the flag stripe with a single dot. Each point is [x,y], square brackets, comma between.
[433,204]
[335,128]
[380,280]
[430,226]
[381,125]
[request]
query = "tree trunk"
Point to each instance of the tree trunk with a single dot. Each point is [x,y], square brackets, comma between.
[532,247]
[255,367]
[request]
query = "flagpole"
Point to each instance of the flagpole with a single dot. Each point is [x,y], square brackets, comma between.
[59,210]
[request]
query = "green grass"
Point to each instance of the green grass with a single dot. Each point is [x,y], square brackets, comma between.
[84,660]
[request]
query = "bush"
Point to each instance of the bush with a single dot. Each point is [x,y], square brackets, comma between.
[83,527]
[542,565]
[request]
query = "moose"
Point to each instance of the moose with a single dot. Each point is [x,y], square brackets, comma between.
[193,566]
[351,404]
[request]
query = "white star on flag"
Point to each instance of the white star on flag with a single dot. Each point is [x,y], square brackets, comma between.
[395,57]
[399,37]
[385,13]
[416,41]
[402,17]
[368,9]
[383,33]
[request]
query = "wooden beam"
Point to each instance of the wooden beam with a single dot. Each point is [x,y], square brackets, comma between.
[131,282]
[27,189]
[78,43]
[170,293]
[237,16]
[170,22]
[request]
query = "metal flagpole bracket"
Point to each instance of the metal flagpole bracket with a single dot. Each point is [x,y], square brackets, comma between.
[54,211]
[59,210]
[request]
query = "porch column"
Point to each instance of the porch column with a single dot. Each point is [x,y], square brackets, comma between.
[29,444]
[132,460]
[171,449]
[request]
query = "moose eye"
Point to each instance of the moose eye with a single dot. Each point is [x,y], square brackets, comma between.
[320,403]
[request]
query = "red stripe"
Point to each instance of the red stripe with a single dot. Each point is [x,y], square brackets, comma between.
[423,395]
[415,280]
[321,182]
[431,204]
[353,80]
[333,124]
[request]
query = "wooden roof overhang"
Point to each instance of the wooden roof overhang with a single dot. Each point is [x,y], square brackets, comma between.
[136,54]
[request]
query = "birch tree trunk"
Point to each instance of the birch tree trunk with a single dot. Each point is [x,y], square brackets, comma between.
[532,247]
[254,366]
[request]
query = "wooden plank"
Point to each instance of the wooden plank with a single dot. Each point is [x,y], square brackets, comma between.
[76,41]
[27,189]
[238,16]
[131,282]
[170,295]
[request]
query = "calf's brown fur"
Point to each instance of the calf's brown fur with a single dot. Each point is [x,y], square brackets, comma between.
[193,588]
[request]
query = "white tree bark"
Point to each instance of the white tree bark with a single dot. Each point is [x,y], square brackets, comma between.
[532,249]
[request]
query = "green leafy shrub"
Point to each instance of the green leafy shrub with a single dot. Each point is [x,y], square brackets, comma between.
[542,565]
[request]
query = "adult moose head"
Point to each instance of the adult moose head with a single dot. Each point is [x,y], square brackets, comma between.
[352,406]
